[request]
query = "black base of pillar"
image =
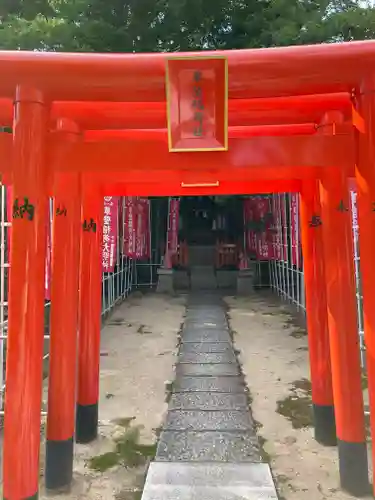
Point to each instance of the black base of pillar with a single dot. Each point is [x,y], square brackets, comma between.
[86,423]
[353,467]
[59,464]
[33,497]
[325,425]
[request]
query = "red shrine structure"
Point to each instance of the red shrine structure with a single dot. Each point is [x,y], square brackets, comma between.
[85,126]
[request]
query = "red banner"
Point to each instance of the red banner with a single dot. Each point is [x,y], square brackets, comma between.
[258,209]
[269,230]
[264,240]
[284,229]
[252,233]
[295,240]
[137,228]
[277,227]
[147,231]
[143,229]
[173,222]
[110,233]
[130,227]
[248,217]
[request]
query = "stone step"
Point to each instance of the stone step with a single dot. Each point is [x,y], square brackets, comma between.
[208,301]
[207,401]
[207,357]
[207,481]
[217,323]
[207,370]
[208,446]
[209,384]
[206,347]
[205,335]
[203,282]
[203,278]
[205,315]
[205,420]
[201,255]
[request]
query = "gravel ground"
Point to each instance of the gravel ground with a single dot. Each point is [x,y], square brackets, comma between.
[274,357]
[137,356]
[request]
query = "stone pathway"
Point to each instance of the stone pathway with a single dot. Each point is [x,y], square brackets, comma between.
[208,448]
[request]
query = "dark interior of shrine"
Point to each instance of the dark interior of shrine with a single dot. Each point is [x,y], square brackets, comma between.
[207,220]
[210,242]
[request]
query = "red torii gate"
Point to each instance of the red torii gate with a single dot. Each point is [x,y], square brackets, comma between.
[320,161]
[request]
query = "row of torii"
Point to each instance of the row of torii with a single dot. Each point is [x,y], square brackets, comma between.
[300,119]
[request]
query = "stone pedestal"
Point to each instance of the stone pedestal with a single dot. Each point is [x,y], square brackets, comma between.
[245,281]
[165,281]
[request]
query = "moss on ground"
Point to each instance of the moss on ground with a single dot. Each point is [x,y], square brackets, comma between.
[299,333]
[297,406]
[124,422]
[128,451]
[142,329]
[103,462]
[129,495]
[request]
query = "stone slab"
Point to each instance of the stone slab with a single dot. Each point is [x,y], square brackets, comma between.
[207,357]
[202,307]
[207,401]
[203,281]
[206,316]
[205,325]
[177,446]
[206,370]
[206,347]
[205,335]
[208,310]
[206,301]
[162,492]
[196,481]
[198,420]
[209,384]
[205,313]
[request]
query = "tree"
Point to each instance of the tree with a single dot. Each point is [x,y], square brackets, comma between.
[297,22]
[133,25]
[174,25]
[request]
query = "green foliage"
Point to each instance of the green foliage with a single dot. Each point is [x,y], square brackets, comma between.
[128,451]
[174,25]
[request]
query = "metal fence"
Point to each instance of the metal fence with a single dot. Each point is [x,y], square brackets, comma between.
[116,286]
[285,274]
[286,277]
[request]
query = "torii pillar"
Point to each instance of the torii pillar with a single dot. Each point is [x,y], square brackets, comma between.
[23,392]
[365,179]
[316,310]
[343,332]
